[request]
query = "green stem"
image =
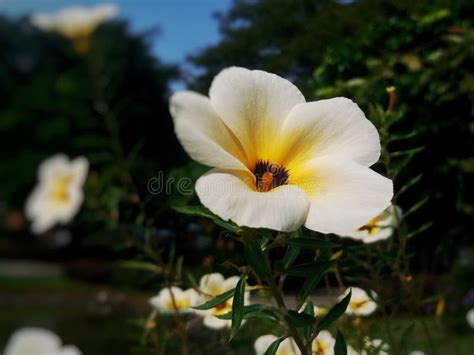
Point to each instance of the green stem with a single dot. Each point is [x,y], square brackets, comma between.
[277,295]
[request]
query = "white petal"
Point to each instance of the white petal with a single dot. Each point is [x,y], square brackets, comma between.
[203,134]
[344,195]
[230,195]
[253,104]
[53,166]
[366,309]
[382,234]
[336,128]
[79,168]
[215,323]
[262,343]
[69,350]
[230,283]
[211,284]
[31,341]
[470,318]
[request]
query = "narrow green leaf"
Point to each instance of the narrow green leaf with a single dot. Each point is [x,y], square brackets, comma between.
[304,270]
[216,300]
[409,152]
[416,207]
[310,283]
[409,184]
[335,312]
[291,254]
[272,349]
[238,306]
[340,347]
[314,243]
[299,319]
[254,256]
[200,211]
[246,310]
[420,229]
[308,309]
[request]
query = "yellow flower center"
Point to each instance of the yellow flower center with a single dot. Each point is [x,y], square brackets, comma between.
[319,347]
[59,192]
[372,227]
[269,175]
[222,308]
[355,305]
[177,304]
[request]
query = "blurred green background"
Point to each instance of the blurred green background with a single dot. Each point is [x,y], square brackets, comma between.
[53,99]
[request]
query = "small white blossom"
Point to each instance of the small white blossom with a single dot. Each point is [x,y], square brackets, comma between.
[37,341]
[286,347]
[470,318]
[361,304]
[58,195]
[174,299]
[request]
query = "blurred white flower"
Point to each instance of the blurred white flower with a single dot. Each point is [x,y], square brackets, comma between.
[75,21]
[37,341]
[212,285]
[361,304]
[378,228]
[286,347]
[173,299]
[279,161]
[323,344]
[375,347]
[470,318]
[58,196]
[417,352]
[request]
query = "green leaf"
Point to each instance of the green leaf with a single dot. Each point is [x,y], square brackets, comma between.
[200,211]
[335,312]
[304,270]
[272,349]
[299,319]
[420,229]
[311,282]
[253,311]
[291,254]
[308,309]
[246,310]
[238,306]
[216,300]
[416,207]
[254,256]
[340,347]
[314,243]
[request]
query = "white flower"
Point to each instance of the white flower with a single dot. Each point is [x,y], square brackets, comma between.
[378,228]
[173,299]
[37,341]
[212,285]
[280,162]
[417,352]
[323,344]
[58,196]
[375,346]
[75,21]
[470,318]
[286,347]
[361,304]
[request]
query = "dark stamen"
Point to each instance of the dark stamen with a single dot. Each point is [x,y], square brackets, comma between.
[269,175]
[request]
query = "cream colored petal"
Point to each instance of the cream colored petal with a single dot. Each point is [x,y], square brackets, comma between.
[69,350]
[79,168]
[229,194]
[344,195]
[203,134]
[263,342]
[53,166]
[254,104]
[212,284]
[335,128]
[230,282]
[215,323]
[32,341]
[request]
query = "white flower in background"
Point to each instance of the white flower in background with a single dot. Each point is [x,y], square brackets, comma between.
[351,351]
[58,196]
[210,286]
[378,228]
[173,299]
[375,346]
[75,21]
[37,341]
[470,318]
[286,347]
[279,161]
[417,352]
[323,344]
[361,304]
